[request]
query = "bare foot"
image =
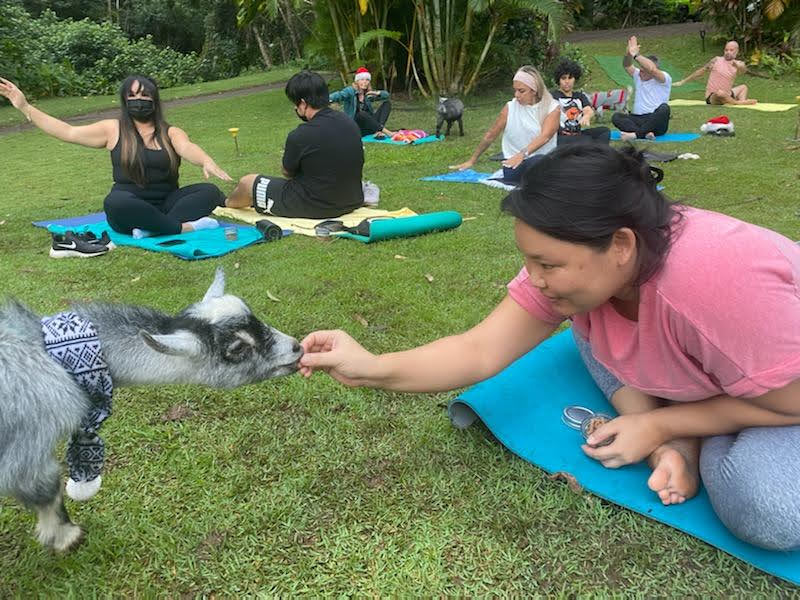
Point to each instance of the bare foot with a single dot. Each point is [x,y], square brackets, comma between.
[675,477]
[627,135]
[750,101]
[650,135]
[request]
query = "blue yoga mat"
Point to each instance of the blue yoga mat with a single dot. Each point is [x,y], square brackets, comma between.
[667,137]
[194,245]
[371,139]
[529,396]
[465,176]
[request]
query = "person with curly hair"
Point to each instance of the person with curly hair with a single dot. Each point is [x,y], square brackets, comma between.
[576,109]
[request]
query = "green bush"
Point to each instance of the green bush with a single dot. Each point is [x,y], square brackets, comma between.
[48,56]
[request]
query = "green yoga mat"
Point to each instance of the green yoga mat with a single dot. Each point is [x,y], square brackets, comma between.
[384,229]
[612,65]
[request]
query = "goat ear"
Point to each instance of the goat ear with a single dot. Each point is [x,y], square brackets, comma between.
[182,343]
[217,288]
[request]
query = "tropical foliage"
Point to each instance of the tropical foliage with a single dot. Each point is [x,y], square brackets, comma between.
[439,46]
[757,24]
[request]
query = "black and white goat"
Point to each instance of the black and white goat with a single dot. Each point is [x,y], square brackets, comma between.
[216,342]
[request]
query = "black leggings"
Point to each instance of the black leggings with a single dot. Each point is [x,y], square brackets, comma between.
[600,135]
[641,125]
[372,123]
[125,210]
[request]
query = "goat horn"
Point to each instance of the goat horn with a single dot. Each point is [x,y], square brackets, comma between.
[217,288]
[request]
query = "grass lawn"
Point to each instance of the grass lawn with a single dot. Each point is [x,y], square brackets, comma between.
[304,486]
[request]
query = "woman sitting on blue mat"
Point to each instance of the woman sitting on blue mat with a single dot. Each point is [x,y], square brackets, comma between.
[529,123]
[688,320]
[357,99]
[145,155]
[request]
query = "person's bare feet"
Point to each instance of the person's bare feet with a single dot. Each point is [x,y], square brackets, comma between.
[675,477]
[749,101]
[627,136]
[650,135]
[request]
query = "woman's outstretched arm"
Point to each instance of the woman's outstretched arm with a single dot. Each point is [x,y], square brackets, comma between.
[447,363]
[190,151]
[96,135]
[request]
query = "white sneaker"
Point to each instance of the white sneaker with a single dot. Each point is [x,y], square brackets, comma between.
[372,193]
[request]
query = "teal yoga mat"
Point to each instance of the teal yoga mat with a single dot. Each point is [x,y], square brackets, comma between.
[371,139]
[612,65]
[529,396]
[385,229]
[194,245]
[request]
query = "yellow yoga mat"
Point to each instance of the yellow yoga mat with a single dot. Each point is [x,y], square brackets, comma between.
[762,106]
[306,226]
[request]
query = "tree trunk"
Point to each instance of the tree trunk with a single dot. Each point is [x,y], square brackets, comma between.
[285,58]
[455,84]
[424,51]
[429,49]
[286,13]
[262,47]
[438,47]
[339,42]
[485,51]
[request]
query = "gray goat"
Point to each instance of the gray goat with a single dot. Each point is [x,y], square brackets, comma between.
[216,342]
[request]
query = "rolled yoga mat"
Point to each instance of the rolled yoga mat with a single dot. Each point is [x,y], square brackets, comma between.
[385,229]
[522,407]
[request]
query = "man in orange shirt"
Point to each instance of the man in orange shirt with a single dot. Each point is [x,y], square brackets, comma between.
[722,71]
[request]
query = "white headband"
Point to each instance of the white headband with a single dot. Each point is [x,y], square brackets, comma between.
[527,79]
[360,76]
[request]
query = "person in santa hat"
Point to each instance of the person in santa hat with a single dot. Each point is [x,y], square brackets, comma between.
[357,99]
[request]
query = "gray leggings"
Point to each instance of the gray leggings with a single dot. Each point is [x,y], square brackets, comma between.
[752,478]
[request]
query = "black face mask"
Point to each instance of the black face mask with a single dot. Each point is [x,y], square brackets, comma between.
[299,116]
[140,109]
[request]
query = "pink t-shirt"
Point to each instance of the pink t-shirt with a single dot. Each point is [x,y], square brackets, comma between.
[721,316]
[721,77]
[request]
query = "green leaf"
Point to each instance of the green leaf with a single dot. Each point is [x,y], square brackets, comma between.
[373,34]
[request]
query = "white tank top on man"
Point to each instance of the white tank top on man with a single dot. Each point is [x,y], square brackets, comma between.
[524,124]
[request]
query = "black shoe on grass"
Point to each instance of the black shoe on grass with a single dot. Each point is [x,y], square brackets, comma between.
[91,238]
[69,245]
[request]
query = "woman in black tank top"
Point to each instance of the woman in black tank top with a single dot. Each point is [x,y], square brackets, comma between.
[146,198]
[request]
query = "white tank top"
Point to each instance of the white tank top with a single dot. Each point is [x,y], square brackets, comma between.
[523,125]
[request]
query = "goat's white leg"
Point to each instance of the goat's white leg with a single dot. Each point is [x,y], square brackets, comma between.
[54,528]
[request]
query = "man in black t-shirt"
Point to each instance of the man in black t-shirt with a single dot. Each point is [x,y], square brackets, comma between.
[322,161]
[576,109]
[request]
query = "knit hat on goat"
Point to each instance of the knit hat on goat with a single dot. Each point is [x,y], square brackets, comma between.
[362,73]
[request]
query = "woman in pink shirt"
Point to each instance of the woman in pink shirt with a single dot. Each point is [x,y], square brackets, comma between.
[688,320]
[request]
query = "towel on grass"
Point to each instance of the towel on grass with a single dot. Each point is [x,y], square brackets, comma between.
[370,139]
[522,407]
[194,245]
[667,137]
[612,65]
[306,226]
[465,176]
[762,106]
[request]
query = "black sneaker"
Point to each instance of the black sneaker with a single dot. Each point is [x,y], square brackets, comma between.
[91,238]
[70,245]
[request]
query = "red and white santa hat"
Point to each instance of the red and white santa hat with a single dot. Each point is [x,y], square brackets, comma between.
[362,73]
